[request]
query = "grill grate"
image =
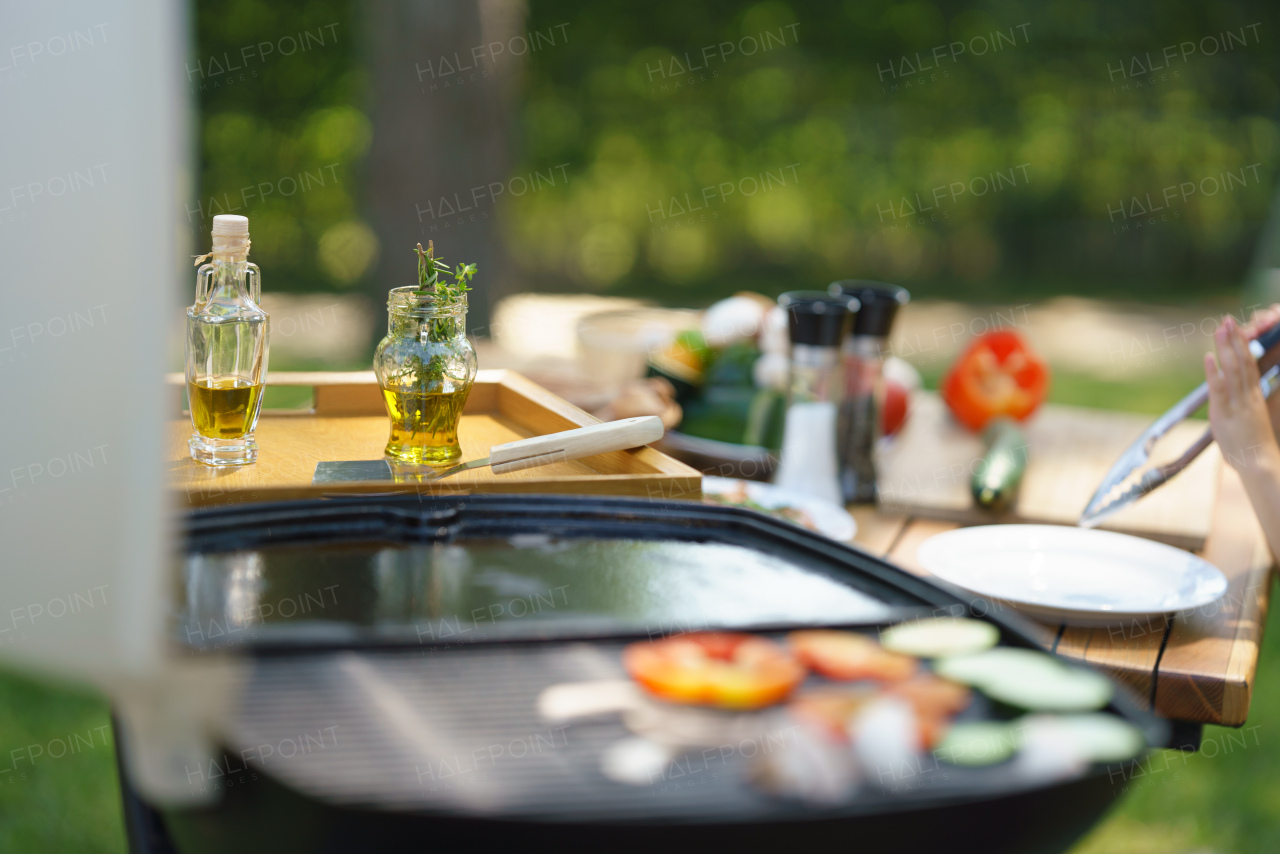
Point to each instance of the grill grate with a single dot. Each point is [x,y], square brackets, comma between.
[457,731]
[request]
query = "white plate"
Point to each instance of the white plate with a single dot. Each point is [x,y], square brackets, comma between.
[830,519]
[1072,575]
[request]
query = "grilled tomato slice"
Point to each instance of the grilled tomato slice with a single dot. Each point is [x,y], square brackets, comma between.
[846,656]
[725,669]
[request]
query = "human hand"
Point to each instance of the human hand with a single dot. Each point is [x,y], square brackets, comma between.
[1262,320]
[1237,410]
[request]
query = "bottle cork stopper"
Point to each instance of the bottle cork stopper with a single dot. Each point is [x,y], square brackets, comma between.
[230,237]
[230,225]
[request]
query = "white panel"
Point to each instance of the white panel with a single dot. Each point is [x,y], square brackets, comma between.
[93,171]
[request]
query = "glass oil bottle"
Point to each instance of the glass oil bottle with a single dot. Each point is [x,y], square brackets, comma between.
[226,349]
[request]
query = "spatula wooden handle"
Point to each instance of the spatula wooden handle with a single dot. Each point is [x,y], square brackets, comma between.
[573,444]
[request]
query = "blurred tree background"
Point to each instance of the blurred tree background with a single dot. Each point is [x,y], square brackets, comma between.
[282,133]
[680,151]
[826,101]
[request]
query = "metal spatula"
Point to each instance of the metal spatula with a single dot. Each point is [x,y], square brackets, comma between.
[512,456]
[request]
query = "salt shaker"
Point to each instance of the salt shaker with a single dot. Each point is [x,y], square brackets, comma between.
[863,367]
[817,323]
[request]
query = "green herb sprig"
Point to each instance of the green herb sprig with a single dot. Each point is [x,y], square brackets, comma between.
[445,295]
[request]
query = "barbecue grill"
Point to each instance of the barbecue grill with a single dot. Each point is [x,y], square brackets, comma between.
[392,652]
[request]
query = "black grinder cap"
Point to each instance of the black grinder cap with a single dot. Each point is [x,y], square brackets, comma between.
[880,302]
[817,318]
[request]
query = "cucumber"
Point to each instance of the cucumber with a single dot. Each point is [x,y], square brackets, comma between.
[1095,737]
[999,473]
[978,668]
[939,637]
[1029,680]
[976,743]
[1092,737]
[1062,690]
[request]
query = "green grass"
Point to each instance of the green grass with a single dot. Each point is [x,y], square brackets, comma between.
[68,802]
[1225,799]
[1151,395]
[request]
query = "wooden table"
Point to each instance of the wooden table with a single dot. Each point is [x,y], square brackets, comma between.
[1195,667]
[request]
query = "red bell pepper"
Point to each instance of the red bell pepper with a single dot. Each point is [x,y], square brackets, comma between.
[998,374]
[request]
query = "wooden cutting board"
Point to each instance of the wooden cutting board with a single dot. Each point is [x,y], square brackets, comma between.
[925,471]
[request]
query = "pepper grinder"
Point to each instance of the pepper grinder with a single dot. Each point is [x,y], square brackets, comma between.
[817,323]
[863,358]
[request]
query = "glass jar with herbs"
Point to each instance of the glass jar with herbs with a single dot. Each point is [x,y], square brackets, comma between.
[425,364]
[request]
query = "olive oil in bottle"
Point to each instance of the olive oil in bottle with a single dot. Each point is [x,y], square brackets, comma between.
[226,349]
[424,426]
[224,409]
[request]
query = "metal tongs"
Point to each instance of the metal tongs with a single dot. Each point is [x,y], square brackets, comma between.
[1113,495]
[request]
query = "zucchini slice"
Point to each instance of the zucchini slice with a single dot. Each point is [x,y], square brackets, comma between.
[976,743]
[1029,680]
[939,637]
[1061,690]
[978,668]
[1095,737]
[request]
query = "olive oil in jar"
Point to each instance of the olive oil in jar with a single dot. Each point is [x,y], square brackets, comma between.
[224,409]
[424,425]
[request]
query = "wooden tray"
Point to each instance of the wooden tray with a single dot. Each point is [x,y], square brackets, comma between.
[348,422]
[926,472]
